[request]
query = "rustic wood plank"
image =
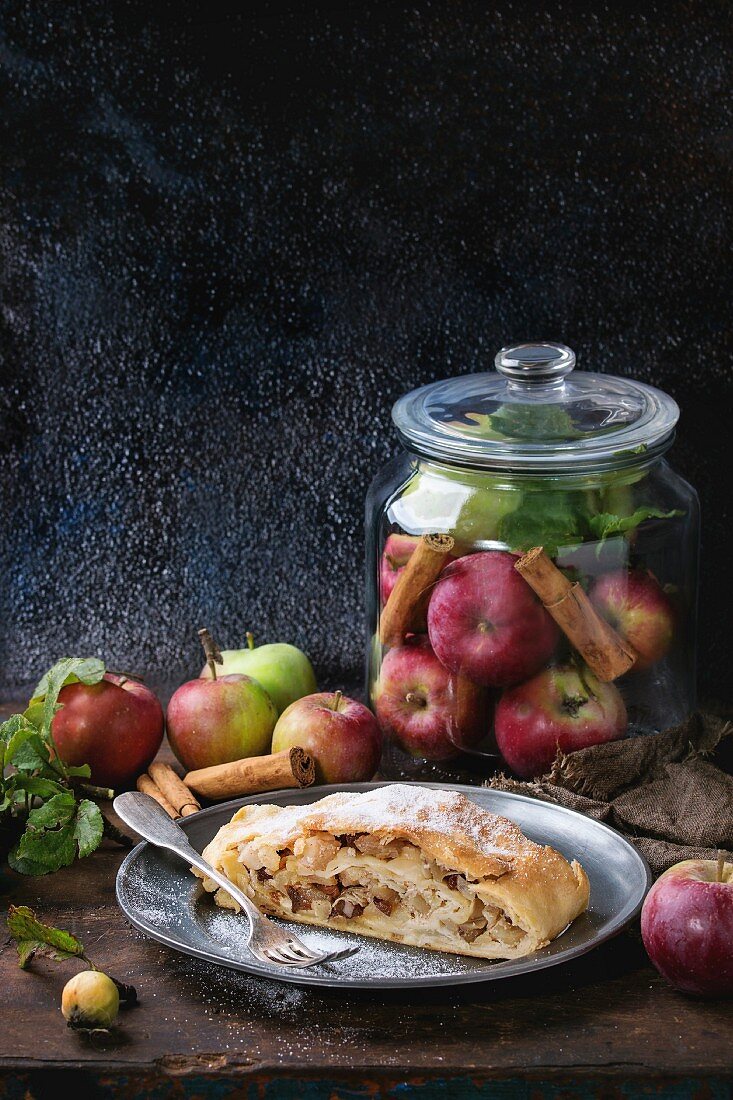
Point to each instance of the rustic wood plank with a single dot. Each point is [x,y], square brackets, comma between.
[587,1028]
[597,1015]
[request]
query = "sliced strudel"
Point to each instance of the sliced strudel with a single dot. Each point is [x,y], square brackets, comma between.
[406,863]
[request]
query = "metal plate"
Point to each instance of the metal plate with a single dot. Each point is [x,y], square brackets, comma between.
[159,895]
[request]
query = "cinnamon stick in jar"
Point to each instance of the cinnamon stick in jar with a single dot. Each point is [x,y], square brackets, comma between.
[605,652]
[174,789]
[404,611]
[290,768]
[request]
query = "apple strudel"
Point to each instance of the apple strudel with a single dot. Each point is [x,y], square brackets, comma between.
[425,867]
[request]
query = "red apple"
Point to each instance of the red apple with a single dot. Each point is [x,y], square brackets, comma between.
[398,549]
[216,721]
[687,927]
[342,735]
[557,709]
[634,604]
[114,726]
[416,704]
[486,623]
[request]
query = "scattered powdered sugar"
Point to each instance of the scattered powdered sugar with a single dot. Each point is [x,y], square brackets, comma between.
[374,959]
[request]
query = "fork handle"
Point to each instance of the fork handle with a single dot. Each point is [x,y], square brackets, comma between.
[193,857]
[143,814]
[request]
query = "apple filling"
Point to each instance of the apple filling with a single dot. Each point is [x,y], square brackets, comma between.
[375,886]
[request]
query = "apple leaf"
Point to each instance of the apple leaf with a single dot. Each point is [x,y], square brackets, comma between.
[32,755]
[88,827]
[59,810]
[56,832]
[14,733]
[78,771]
[60,828]
[549,519]
[38,785]
[39,852]
[605,524]
[32,937]
[69,670]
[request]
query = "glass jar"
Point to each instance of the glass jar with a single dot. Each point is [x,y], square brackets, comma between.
[482,657]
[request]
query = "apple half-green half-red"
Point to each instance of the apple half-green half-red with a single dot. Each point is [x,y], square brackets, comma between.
[342,734]
[115,726]
[284,671]
[216,721]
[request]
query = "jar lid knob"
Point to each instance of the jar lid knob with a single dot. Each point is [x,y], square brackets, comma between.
[535,362]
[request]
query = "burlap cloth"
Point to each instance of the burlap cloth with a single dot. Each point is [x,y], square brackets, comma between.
[665,792]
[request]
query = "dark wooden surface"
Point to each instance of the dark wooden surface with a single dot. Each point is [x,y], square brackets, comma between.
[603,1025]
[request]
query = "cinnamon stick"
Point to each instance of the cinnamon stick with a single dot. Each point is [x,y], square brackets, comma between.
[605,652]
[147,786]
[174,789]
[290,768]
[404,612]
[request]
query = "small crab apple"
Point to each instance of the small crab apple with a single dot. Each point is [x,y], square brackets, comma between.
[90,1000]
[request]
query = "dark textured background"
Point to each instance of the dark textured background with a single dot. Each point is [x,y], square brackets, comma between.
[232,234]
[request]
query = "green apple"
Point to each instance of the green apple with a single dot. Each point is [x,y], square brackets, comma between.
[283,670]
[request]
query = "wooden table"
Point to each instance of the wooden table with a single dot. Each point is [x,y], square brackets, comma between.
[605,1025]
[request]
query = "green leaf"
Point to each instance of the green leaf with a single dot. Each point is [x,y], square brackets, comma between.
[552,519]
[88,827]
[59,810]
[34,714]
[12,734]
[39,853]
[69,670]
[32,936]
[606,523]
[38,785]
[522,421]
[33,756]
[80,771]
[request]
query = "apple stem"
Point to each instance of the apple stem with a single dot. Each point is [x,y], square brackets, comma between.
[337,697]
[413,697]
[91,790]
[721,865]
[212,651]
[250,639]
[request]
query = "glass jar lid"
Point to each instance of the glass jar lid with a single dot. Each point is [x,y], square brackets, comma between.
[534,413]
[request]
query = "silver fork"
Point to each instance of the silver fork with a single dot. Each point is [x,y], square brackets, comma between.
[265,940]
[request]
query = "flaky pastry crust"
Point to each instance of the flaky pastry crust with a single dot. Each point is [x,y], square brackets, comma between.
[405,863]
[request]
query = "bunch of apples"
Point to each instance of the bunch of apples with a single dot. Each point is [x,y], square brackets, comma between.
[490,638]
[256,700]
[265,699]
